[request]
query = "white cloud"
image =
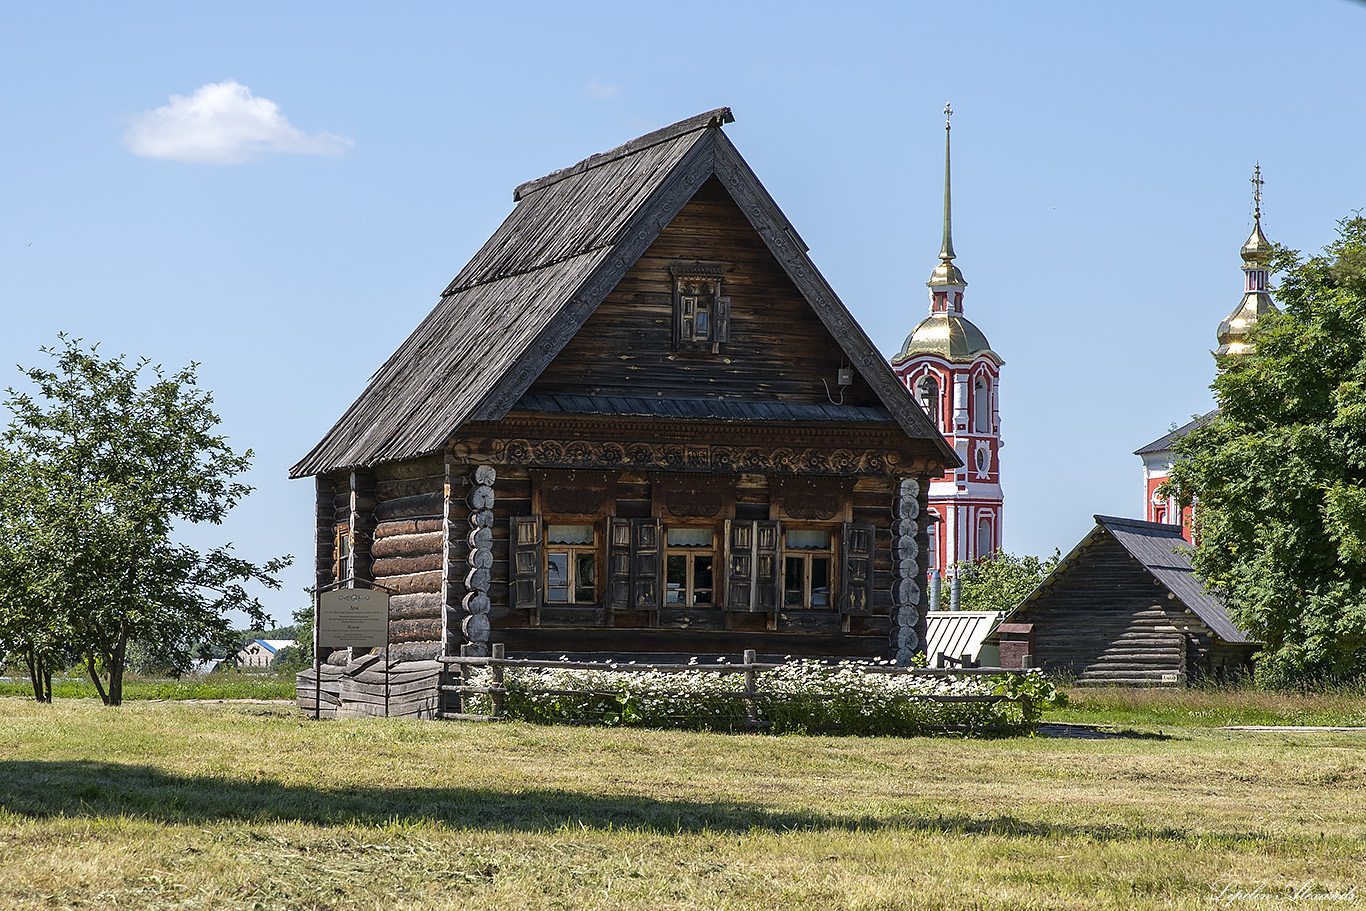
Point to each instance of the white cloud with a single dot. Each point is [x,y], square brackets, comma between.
[599,89]
[223,123]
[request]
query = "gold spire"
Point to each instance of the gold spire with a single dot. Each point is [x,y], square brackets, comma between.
[946,273]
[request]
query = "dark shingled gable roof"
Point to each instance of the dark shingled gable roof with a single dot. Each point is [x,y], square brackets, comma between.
[1164,443]
[1166,556]
[572,236]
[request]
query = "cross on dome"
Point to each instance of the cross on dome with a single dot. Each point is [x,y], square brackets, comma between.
[1257,191]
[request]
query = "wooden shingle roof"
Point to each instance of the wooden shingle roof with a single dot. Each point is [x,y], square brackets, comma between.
[571,237]
[1165,555]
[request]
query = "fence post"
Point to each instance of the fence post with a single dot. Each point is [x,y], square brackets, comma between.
[751,713]
[499,697]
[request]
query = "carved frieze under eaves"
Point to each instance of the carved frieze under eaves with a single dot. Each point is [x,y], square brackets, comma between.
[540,452]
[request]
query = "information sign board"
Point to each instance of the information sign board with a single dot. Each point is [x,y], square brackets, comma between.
[353,618]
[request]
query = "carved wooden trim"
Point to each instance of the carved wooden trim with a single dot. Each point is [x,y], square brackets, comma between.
[573,493]
[812,499]
[774,434]
[909,562]
[475,606]
[698,457]
[693,496]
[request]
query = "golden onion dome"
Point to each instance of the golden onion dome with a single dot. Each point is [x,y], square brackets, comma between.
[1258,248]
[951,337]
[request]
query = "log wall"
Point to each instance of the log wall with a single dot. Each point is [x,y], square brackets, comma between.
[409,502]
[778,346]
[1106,620]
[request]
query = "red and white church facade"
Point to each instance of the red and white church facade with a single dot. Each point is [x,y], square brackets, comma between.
[948,365]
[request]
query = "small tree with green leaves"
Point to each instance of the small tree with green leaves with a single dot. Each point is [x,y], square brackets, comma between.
[1000,582]
[109,465]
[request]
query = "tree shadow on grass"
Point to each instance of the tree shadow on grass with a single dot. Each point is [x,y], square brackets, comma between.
[86,789]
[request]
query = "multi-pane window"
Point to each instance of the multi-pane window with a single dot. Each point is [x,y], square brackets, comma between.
[695,302]
[690,561]
[571,559]
[808,556]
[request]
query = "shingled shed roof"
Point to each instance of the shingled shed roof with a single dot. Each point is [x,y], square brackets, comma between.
[1166,556]
[572,236]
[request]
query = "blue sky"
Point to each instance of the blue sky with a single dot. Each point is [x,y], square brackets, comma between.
[358,155]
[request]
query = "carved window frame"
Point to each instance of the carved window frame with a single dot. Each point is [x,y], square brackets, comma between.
[701,313]
[341,550]
[572,553]
[806,558]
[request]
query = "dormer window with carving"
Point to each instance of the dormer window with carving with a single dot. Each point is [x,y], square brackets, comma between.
[701,312]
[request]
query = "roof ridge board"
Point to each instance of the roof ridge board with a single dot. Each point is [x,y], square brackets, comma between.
[714,118]
[737,177]
[1139,523]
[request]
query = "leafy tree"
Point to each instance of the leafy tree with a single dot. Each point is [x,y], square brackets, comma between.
[1278,476]
[105,468]
[1000,582]
[31,627]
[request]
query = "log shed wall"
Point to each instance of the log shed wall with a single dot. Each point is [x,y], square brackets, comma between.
[1106,620]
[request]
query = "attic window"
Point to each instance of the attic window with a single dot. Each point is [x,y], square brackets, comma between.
[701,315]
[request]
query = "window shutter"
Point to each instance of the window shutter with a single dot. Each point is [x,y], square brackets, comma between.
[767,567]
[526,562]
[688,329]
[646,558]
[619,564]
[739,565]
[721,321]
[856,576]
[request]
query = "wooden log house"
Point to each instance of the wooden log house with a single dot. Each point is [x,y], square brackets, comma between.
[1125,607]
[638,422]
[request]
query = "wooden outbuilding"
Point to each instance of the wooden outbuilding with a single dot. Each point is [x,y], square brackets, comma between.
[1125,607]
[637,422]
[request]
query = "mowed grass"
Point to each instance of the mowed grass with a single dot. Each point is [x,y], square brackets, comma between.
[163,805]
[195,686]
[1212,707]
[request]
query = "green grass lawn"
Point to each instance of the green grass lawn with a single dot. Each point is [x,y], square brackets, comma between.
[199,686]
[164,805]
[1211,707]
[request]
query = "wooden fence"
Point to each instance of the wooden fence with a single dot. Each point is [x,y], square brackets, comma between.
[457,688]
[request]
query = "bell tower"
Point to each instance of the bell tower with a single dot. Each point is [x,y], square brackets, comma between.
[950,369]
